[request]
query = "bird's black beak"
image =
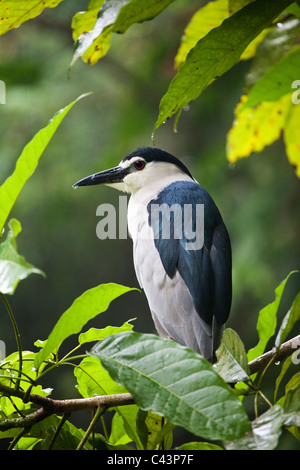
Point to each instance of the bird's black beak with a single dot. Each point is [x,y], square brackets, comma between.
[113,175]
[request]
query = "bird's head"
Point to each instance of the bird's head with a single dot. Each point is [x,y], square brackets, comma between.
[143,167]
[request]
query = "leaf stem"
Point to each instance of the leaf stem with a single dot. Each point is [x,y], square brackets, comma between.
[98,414]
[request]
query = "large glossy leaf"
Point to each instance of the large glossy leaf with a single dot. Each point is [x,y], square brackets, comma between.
[115,16]
[13,266]
[27,162]
[216,53]
[174,382]
[84,308]
[13,13]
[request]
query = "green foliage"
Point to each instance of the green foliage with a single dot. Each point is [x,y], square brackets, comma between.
[215,53]
[163,377]
[27,163]
[170,385]
[13,267]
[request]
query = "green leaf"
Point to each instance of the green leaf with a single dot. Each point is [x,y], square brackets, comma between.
[93,379]
[216,53]
[267,321]
[123,427]
[95,334]
[232,362]
[84,308]
[13,13]
[115,16]
[277,81]
[291,135]
[174,382]
[154,431]
[285,366]
[85,21]
[199,446]
[291,401]
[13,267]
[266,431]
[206,18]
[203,21]
[27,163]
[289,321]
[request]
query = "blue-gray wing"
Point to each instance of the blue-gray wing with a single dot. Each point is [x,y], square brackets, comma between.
[205,269]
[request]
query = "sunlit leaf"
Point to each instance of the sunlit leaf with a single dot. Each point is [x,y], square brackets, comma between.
[174,382]
[93,379]
[232,362]
[84,21]
[205,19]
[254,129]
[13,13]
[216,53]
[115,16]
[84,308]
[292,139]
[13,266]
[96,334]
[27,162]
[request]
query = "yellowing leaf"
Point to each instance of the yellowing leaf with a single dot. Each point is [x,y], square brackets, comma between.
[206,18]
[255,128]
[13,13]
[292,138]
[85,21]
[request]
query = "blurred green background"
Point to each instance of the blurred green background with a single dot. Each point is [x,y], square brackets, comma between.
[258,197]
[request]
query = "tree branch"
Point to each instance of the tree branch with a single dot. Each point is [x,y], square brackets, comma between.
[284,351]
[48,406]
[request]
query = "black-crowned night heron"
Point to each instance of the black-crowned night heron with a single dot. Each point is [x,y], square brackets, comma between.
[182,255]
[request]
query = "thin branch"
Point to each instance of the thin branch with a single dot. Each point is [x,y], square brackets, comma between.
[277,355]
[48,406]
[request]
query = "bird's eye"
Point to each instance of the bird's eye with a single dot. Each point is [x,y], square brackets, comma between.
[139,164]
